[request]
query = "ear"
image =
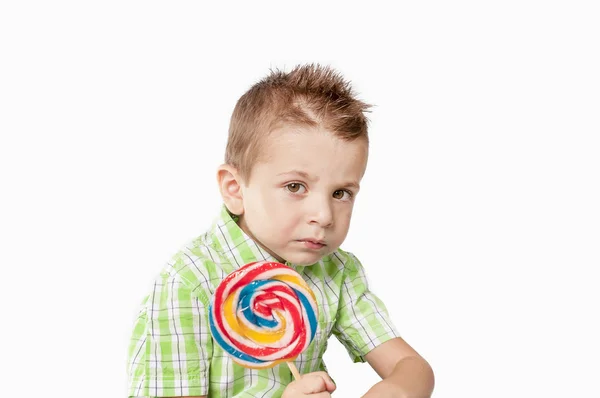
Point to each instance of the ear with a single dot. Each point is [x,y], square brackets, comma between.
[230,185]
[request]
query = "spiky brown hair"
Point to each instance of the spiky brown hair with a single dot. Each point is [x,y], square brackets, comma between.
[310,95]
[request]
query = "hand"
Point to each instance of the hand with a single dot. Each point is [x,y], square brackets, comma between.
[313,385]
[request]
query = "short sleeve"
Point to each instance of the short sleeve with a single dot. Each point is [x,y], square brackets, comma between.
[170,348]
[362,321]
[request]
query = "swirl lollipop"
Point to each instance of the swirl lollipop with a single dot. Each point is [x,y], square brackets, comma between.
[263,314]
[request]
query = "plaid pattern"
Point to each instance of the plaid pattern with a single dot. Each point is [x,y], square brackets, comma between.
[172,353]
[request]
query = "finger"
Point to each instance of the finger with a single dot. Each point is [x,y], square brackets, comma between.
[312,383]
[329,384]
[323,394]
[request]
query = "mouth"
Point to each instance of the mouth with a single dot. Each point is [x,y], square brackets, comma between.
[313,243]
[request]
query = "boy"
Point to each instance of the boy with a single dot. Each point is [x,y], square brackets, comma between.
[296,154]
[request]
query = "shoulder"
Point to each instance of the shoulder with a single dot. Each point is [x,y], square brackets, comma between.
[196,266]
[342,260]
[338,267]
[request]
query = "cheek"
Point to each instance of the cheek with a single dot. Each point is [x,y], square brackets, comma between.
[272,215]
[260,204]
[286,219]
[291,226]
[343,219]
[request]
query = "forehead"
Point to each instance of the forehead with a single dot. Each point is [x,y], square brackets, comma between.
[315,151]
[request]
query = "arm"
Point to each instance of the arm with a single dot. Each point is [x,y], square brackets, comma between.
[404,372]
[363,326]
[171,332]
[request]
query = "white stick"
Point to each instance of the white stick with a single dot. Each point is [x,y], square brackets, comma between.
[294,370]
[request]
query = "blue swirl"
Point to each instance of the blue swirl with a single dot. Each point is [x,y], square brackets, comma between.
[245,296]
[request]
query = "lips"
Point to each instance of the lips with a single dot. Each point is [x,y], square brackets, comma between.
[313,243]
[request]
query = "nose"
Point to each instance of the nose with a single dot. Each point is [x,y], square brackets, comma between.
[321,212]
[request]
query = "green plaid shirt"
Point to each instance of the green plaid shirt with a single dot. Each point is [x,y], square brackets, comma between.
[172,352]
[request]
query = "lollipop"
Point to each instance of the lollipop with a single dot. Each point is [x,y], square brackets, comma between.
[263,314]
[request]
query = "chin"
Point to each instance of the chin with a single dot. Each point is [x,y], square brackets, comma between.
[304,259]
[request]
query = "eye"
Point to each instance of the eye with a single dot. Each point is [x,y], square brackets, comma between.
[295,187]
[339,194]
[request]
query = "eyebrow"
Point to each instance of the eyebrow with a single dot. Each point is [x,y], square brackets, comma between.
[305,175]
[302,174]
[352,185]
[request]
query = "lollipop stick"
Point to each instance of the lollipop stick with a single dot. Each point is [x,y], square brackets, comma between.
[294,370]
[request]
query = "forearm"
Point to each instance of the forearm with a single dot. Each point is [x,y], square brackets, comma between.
[412,377]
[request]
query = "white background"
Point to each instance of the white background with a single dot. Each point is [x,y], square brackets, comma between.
[483,178]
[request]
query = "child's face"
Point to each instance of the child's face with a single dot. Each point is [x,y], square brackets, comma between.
[299,199]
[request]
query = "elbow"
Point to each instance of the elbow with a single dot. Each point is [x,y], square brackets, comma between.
[427,376]
[417,375]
